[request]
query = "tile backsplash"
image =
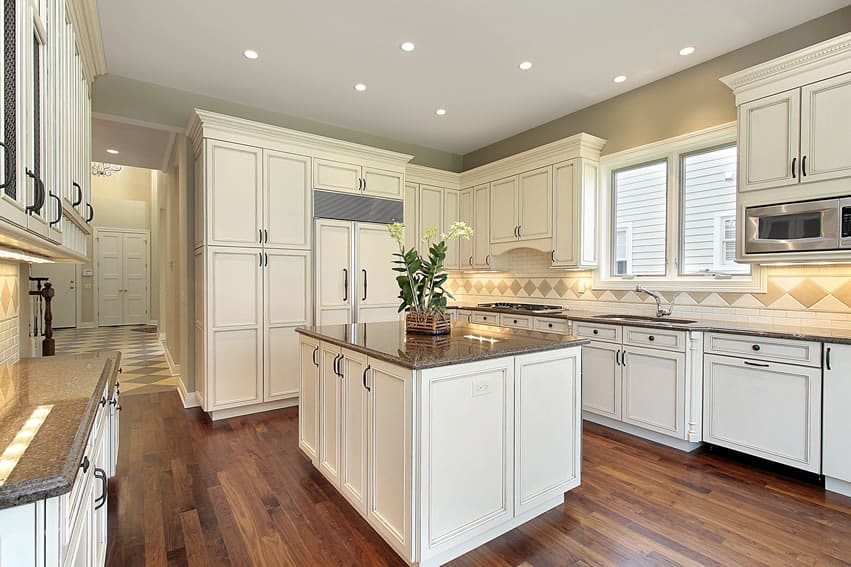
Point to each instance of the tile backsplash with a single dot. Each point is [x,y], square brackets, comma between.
[809,296]
[9,313]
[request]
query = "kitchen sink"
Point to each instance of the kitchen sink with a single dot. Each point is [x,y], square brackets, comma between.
[666,320]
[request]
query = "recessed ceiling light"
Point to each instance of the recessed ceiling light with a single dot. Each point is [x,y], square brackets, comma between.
[687,50]
[619,79]
[250,54]
[440,112]
[407,46]
[111,151]
[525,66]
[360,87]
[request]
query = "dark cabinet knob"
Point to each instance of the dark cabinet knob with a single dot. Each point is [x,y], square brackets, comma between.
[550,325]
[755,347]
[652,338]
[596,332]
[85,464]
[515,321]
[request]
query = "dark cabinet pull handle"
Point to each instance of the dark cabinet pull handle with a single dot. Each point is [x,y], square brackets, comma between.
[103,401]
[554,256]
[471,261]
[315,351]
[364,285]
[79,198]
[260,260]
[91,213]
[365,370]
[345,284]
[260,236]
[749,363]
[756,347]
[618,357]
[8,165]
[101,500]
[115,404]
[623,358]
[85,464]
[827,358]
[58,209]
[488,259]
[38,201]
[794,161]
[804,166]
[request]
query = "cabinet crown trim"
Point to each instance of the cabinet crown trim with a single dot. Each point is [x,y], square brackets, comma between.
[829,51]
[206,124]
[86,23]
[430,176]
[577,146]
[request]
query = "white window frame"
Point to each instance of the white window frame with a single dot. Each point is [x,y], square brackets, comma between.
[671,150]
[718,262]
[626,228]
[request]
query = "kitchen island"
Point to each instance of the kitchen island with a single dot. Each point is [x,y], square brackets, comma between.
[442,443]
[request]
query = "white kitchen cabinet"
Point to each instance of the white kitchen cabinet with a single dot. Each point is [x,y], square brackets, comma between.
[765,409]
[451,215]
[334,278]
[382,183]
[574,216]
[286,200]
[233,194]
[308,409]
[354,408]
[602,379]
[411,215]
[430,214]
[521,207]
[653,395]
[825,124]
[769,141]
[355,178]
[836,440]
[481,224]
[466,215]
[377,290]
[503,210]
[330,403]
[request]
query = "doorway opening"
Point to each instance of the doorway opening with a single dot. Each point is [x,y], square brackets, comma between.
[122,264]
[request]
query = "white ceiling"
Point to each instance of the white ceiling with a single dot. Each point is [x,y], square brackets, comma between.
[313,52]
[139,145]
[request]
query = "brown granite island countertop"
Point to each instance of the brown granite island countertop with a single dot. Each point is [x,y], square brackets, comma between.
[47,409]
[467,343]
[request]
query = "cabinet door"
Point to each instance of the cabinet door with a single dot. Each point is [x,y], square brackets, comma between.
[768,141]
[465,214]
[287,191]
[565,212]
[837,400]
[451,215]
[375,287]
[287,291]
[431,213]
[80,552]
[308,402]
[764,409]
[481,238]
[547,427]
[390,445]
[535,199]
[235,343]
[353,418]
[654,390]
[336,176]
[412,215]
[503,210]
[825,127]
[330,399]
[601,379]
[334,278]
[382,183]
[100,494]
[234,197]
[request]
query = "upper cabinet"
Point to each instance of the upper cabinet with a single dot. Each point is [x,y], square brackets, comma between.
[769,141]
[825,128]
[520,207]
[432,201]
[574,213]
[353,178]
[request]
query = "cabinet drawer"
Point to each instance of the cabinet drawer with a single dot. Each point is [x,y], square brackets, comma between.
[484,318]
[463,315]
[561,326]
[515,321]
[805,353]
[654,338]
[597,331]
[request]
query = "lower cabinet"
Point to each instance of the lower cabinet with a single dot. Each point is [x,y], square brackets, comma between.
[602,379]
[653,395]
[837,425]
[308,414]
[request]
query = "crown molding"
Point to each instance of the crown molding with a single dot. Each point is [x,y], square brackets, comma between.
[206,124]
[577,146]
[810,64]
[431,176]
[85,20]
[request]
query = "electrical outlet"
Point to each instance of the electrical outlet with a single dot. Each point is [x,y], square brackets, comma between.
[481,388]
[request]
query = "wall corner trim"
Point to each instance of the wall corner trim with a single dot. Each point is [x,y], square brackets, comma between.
[86,22]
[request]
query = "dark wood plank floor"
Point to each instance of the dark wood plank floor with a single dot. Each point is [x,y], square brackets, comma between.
[189,492]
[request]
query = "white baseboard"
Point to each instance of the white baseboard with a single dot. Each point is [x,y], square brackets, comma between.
[256,408]
[87,325]
[837,485]
[173,367]
[153,322]
[679,444]
[189,399]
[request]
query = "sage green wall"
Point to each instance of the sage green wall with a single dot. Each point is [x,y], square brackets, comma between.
[690,100]
[156,104]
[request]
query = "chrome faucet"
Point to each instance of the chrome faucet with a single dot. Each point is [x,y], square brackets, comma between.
[660,311]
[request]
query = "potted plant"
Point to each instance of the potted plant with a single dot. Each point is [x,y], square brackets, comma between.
[421,279]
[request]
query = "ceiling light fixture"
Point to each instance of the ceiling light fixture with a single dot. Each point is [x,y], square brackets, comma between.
[250,54]
[407,46]
[111,151]
[619,79]
[100,169]
[360,87]
[440,112]
[525,66]
[687,50]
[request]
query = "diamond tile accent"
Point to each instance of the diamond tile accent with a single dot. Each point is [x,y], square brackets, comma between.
[545,288]
[502,287]
[529,287]
[808,293]
[561,288]
[515,287]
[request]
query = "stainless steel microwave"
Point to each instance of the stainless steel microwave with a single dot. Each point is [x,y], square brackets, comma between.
[799,227]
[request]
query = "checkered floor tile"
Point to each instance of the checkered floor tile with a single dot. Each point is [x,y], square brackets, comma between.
[145,369]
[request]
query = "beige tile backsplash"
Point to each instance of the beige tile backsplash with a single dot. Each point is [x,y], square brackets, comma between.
[9,313]
[809,296]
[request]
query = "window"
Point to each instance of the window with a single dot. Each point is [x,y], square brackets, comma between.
[708,215]
[669,216]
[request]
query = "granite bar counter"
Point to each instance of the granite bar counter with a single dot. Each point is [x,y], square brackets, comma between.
[47,409]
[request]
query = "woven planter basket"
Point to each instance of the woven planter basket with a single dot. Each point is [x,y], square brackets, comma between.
[428,323]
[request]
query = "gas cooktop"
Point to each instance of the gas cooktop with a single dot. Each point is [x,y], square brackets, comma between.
[535,308]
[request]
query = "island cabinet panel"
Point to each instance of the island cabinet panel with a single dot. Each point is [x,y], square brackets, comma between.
[330,399]
[354,405]
[546,399]
[308,411]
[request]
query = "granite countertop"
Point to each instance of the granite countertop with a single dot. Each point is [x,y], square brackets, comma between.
[766,330]
[57,397]
[467,342]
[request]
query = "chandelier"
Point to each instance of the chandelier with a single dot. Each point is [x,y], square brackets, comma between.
[105,169]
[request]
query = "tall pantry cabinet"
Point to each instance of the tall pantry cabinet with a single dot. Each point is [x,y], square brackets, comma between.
[254,256]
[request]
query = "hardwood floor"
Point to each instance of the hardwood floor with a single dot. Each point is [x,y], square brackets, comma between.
[190,492]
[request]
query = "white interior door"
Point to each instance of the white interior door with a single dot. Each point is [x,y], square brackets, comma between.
[334,277]
[63,277]
[375,284]
[123,274]
[135,269]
